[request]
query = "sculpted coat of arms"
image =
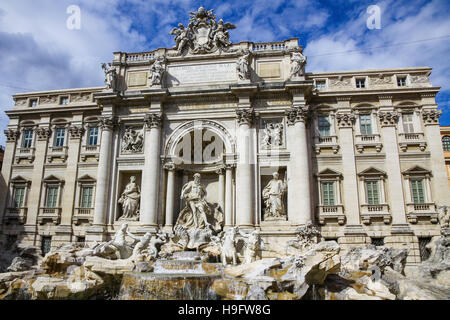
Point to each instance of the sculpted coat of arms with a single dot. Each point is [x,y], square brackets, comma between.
[203,34]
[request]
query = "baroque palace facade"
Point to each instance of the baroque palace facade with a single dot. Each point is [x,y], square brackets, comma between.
[359,153]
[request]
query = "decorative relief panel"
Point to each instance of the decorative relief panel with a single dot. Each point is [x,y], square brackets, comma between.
[132,140]
[272,134]
[81,97]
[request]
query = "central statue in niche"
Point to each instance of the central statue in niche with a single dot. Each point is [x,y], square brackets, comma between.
[197,222]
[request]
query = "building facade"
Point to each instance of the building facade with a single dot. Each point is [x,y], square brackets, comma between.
[445,136]
[357,152]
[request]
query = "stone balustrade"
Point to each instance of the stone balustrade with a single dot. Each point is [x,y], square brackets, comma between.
[416,211]
[140,57]
[57,152]
[373,212]
[16,214]
[52,214]
[83,214]
[25,153]
[412,139]
[89,151]
[323,142]
[368,141]
[334,212]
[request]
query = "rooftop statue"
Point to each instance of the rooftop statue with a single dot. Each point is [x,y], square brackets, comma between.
[203,34]
[110,76]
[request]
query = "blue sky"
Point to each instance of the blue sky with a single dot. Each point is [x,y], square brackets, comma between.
[38,52]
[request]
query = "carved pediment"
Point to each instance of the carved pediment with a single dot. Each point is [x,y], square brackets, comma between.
[86,178]
[52,178]
[329,173]
[374,172]
[19,179]
[417,170]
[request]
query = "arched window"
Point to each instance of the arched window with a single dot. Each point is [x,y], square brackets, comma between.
[446,143]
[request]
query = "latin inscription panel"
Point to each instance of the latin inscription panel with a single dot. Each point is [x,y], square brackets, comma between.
[201,73]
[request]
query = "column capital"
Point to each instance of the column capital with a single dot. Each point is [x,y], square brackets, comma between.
[431,117]
[153,120]
[294,115]
[43,133]
[107,122]
[12,135]
[388,118]
[76,132]
[345,120]
[230,166]
[169,166]
[245,116]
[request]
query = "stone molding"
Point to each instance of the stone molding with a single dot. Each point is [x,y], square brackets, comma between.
[388,118]
[345,120]
[76,132]
[43,133]
[294,115]
[431,116]
[245,116]
[153,120]
[11,135]
[107,123]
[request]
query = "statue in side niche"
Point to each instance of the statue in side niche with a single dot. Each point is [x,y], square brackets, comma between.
[157,70]
[298,62]
[129,200]
[110,76]
[242,66]
[273,198]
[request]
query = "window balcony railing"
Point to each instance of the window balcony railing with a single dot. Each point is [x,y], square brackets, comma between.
[334,212]
[416,211]
[83,214]
[367,141]
[326,142]
[49,214]
[412,139]
[373,212]
[90,151]
[16,214]
[25,153]
[57,152]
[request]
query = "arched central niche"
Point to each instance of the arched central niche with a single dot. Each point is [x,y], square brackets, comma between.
[199,144]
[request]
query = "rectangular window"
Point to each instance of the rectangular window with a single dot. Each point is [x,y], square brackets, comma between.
[328,193]
[64,100]
[33,102]
[424,252]
[19,195]
[59,137]
[52,196]
[401,81]
[377,241]
[86,197]
[27,139]
[46,245]
[324,126]
[360,83]
[93,136]
[372,192]
[417,191]
[408,126]
[365,123]
[320,84]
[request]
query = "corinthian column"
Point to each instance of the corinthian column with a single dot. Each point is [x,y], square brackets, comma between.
[299,193]
[245,196]
[103,173]
[151,172]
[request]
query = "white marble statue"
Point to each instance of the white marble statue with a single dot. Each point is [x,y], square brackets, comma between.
[182,37]
[221,36]
[157,70]
[444,217]
[196,210]
[110,76]
[254,245]
[307,236]
[273,198]
[132,141]
[229,252]
[130,199]
[118,247]
[298,62]
[243,66]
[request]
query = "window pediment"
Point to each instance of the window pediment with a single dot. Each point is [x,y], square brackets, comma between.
[52,179]
[86,179]
[372,172]
[329,174]
[20,179]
